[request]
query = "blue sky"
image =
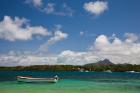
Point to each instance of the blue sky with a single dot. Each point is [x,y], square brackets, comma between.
[79,24]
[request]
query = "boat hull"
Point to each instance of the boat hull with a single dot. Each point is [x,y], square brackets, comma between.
[30,79]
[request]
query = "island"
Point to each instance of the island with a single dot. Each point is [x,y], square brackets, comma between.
[102,65]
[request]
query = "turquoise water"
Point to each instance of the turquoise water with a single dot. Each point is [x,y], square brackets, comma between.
[72,82]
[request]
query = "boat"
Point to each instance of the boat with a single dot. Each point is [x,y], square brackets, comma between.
[86,71]
[109,71]
[34,79]
[132,72]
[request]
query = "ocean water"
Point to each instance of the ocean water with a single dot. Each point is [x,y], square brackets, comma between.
[72,82]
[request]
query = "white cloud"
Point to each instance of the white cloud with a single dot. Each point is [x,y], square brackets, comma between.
[96,8]
[102,39]
[75,58]
[58,36]
[63,10]
[131,37]
[116,50]
[81,33]
[25,60]
[66,57]
[19,29]
[50,8]
[35,3]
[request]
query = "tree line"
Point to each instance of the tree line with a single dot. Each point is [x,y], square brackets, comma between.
[88,67]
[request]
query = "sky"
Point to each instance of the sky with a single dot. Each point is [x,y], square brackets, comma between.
[75,32]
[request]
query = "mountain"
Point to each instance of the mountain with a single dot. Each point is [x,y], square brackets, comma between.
[104,62]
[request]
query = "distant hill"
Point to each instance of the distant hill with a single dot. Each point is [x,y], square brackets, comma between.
[103,65]
[104,62]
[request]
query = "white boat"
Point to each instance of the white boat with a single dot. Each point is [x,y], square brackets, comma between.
[132,72]
[109,71]
[86,71]
[32,79]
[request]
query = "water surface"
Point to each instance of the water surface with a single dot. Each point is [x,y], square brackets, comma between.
[72,82]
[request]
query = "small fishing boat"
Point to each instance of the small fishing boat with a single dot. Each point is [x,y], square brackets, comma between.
[108,71]
[33,79]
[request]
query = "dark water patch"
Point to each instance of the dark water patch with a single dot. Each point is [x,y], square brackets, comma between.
[11,75]
[109,80]
[137,87]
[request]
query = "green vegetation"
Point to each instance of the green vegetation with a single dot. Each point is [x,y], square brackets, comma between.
[42,68]
[89,67]
[114,68]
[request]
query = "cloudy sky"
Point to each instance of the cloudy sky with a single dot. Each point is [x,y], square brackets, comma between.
[72,32]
